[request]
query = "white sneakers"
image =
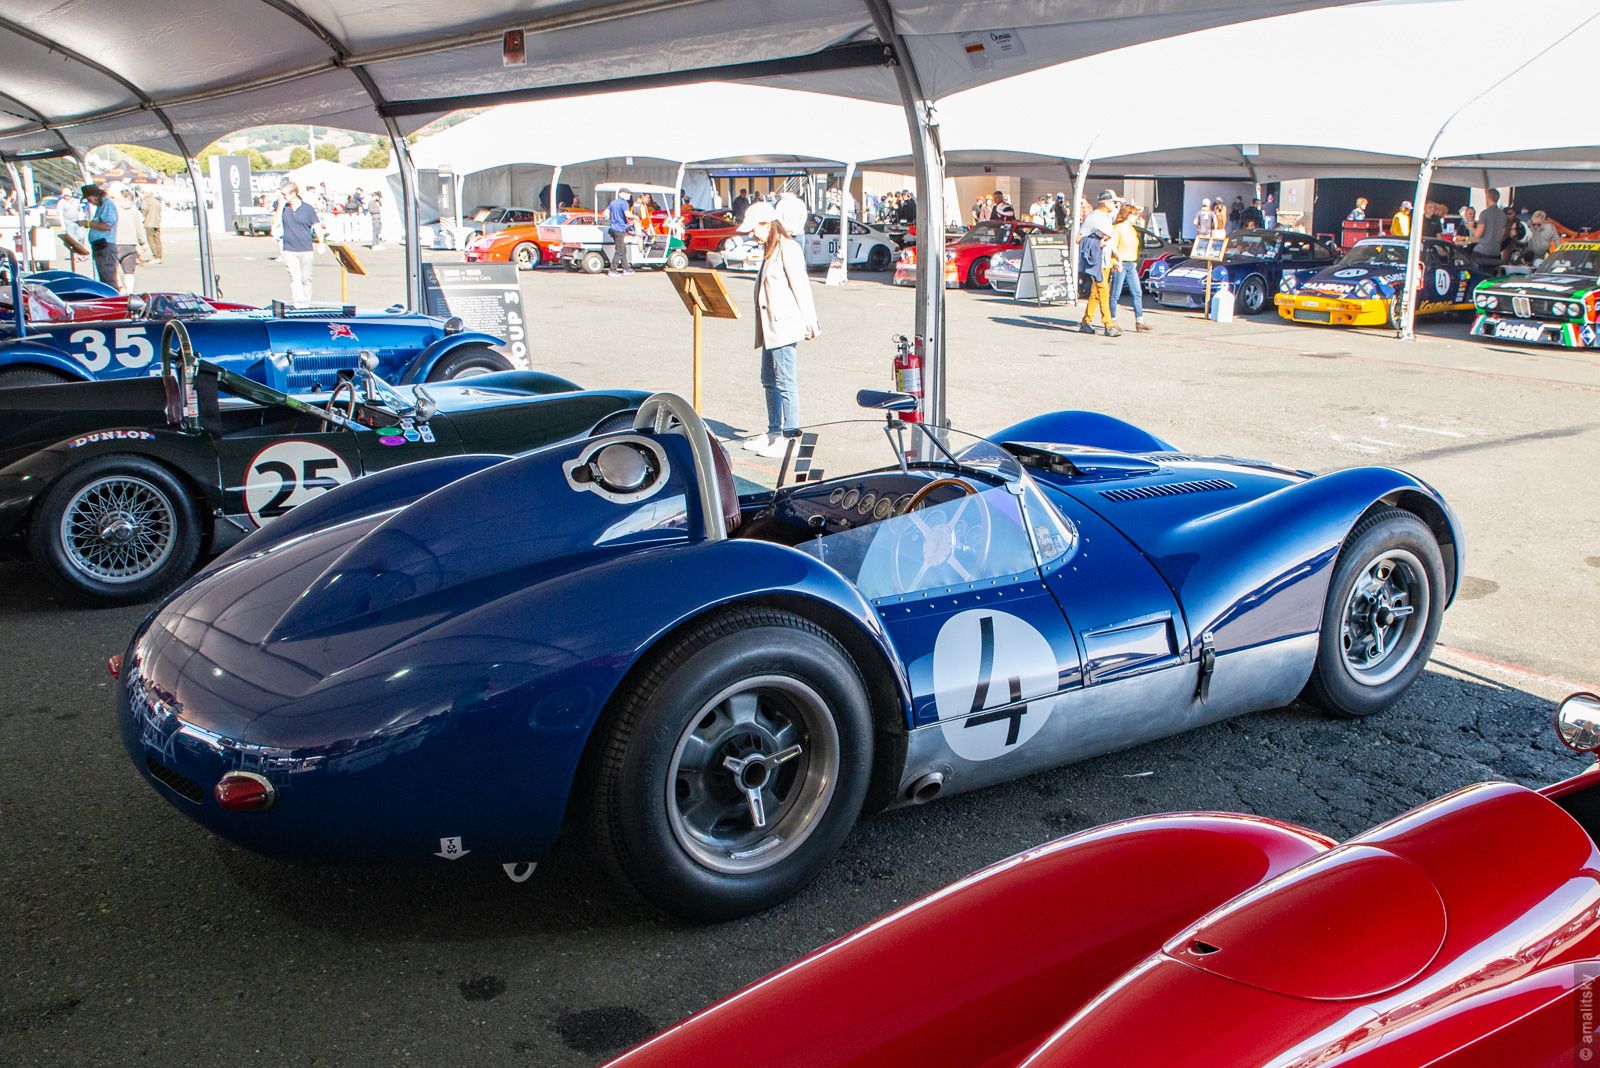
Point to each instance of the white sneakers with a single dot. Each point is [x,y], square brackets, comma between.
[767,445]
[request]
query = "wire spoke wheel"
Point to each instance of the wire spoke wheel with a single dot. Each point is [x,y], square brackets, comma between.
[752,773]
[118,529]
[1384,616]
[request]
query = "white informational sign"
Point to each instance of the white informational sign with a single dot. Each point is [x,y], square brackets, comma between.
[1158,225]
[985,47]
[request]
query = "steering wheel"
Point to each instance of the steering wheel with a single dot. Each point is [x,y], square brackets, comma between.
[663,413]
[349,413]
[955,538]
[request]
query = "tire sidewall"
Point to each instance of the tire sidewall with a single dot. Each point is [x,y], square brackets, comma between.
[1244,287]
[529,252]
[465,357]
[676,880]
[44,532]
[1341,689]
[879,259]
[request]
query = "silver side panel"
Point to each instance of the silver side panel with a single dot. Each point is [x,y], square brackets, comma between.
[1100,719]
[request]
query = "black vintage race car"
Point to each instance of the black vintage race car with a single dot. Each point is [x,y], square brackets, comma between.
[115,489]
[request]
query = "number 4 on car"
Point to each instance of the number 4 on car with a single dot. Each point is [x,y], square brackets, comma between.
[718,663]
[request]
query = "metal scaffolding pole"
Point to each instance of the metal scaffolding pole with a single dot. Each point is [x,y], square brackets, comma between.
[408,194]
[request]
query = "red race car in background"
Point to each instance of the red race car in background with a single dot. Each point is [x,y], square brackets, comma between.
[522,244]
[707,231]
[967,257]
[1464,933]
[44,306]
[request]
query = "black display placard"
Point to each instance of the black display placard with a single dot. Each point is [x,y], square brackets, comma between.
[485,296]
[1043,278]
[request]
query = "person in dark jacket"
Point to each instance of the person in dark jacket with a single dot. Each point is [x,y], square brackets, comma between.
[741,204]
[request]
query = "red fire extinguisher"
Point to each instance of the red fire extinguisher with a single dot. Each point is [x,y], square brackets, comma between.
[908,373]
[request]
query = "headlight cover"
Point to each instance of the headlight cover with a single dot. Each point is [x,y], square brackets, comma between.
[1367,288]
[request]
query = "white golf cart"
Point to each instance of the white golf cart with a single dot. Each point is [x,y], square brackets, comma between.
[586,245]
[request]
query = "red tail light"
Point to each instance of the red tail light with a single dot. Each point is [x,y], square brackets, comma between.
[114,665]
[244,791]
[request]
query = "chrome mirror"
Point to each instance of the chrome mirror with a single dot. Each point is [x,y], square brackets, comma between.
[1578,722]
[426,405]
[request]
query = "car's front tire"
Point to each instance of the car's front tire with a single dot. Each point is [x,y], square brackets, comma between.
[735,768]
[880,258]
[469,361]
[526,256]
[1252,295]
[1382,615]
[116,530]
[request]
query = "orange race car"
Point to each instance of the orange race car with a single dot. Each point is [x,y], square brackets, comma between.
[521,244]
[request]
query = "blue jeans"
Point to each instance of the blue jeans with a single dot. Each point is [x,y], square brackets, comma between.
[783,391]
[1127,274]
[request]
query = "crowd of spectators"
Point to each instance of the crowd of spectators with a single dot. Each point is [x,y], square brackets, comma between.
[1495,237]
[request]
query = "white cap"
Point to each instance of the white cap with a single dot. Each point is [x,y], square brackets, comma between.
[759,212]
[792,213]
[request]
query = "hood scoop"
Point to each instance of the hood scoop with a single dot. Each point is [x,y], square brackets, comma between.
[1317,932]
[1167,489]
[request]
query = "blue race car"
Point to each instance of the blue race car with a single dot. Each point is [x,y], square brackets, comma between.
[1254,265]
[69,285]
[1365,287]
[293,350]
[717,665]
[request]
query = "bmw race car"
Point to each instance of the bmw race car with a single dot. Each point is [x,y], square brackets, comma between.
[1461,934]
[293,350]
[1253,265]
[115,488]
[718,662]
[1366,286]
[1559,304]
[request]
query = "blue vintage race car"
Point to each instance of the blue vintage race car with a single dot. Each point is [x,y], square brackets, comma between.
[1254,264]
[69,285]
[718,674]
[293,350]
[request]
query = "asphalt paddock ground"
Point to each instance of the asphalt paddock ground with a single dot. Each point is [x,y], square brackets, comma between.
[129,935]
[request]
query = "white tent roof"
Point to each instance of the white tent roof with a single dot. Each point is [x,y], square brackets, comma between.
[686,124]
[95,71]
[336,176]
[1187,105]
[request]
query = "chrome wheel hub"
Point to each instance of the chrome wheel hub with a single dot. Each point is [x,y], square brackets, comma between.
[752,774]
[1384,617]
[118,529]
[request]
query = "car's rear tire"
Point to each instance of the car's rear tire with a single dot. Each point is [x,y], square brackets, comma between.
[1252,295]
[1390,562]
[880,258]
[676,823]
[469,361]
[615,422]
[115,530]
[526,256]
[592,262]
[30,376]
[978,273]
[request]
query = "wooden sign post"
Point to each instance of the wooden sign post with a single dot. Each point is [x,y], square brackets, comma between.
[348,265]
[702,293]
[1210,248]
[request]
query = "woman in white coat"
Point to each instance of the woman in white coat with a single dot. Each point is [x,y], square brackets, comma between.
[785,316]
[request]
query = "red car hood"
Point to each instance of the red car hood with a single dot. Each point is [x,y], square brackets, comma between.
[106,308]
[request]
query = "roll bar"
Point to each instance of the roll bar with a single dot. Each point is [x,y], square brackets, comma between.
[656,415]
[19,310]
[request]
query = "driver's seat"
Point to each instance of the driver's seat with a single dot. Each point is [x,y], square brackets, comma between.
[727,492]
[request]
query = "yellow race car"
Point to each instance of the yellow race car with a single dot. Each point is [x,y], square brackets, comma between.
[1363,288]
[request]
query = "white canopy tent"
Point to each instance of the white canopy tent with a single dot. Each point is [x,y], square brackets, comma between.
[183,72]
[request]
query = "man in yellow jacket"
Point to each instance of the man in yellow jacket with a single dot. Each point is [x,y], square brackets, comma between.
[1400,224]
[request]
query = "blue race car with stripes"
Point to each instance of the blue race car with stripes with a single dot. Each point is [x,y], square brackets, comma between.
[293,350]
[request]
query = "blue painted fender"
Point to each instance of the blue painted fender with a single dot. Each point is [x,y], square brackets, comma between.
[1092,429]
[18,354]
[423,363]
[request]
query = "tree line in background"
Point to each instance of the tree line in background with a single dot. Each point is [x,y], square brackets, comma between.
[167,163]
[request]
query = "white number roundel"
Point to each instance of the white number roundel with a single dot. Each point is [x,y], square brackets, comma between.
[287,475]
[1441,281]
[985,665]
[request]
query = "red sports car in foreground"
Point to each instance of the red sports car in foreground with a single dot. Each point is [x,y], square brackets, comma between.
[967,257]
[1463,933]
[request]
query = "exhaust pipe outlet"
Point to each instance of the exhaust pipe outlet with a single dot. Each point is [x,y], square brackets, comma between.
[925,787]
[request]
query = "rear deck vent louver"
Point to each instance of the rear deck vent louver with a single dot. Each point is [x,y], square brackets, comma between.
[1167,489]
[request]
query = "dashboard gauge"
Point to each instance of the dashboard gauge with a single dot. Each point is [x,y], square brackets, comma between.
[868,499]
[850,499]
[902,504]
[885,508]
[837,495]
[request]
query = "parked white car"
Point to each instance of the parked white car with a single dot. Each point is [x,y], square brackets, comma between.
[870,248]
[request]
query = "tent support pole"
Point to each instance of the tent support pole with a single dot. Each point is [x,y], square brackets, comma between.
[1074,219]
[208,274]
[408,190]
[1406,327]
[555,190]
[22,216]
[928,161]
[845,215]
